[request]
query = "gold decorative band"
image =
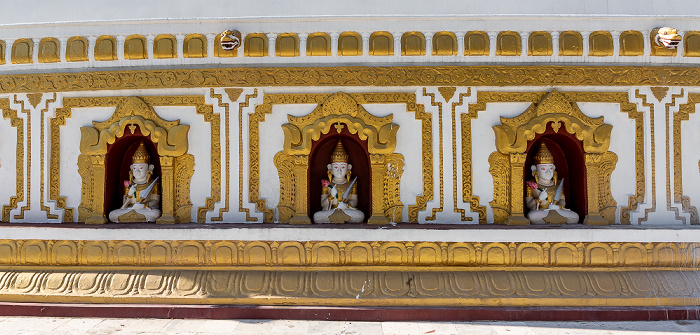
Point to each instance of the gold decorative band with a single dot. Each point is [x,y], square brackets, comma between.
[534,75]
[469,287]
[395,255]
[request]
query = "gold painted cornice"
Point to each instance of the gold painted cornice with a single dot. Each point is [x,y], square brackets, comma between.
[532,75]
[278,255]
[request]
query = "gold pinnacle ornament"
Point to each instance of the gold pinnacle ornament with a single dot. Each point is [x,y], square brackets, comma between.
[543,155]
[141,155]
[339,155]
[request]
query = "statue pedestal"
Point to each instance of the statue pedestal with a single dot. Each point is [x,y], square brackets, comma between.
[166,219]
[517,220]
[595,220]
[300,219]
[96,219]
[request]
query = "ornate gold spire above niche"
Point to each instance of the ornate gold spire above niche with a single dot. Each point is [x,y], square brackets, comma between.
[512,137]
[175,164]
[293,162]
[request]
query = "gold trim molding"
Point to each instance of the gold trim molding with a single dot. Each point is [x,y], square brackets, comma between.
[402,255]
[536,75]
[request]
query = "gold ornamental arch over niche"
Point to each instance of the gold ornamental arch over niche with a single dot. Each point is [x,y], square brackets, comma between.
[512,136]
[293,162]
[171,142]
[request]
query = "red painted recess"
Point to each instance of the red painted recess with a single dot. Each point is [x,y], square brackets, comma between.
[351,313]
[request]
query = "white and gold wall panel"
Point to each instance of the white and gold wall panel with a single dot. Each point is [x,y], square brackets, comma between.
[445,136]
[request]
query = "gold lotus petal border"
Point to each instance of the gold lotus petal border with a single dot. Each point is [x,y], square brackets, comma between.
[534,75]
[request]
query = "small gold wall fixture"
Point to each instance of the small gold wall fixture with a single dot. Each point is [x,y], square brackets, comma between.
[412,44]
[381,43]
[106,48]
[508,162]
[165,46]
[22,51]
[77,49]
[49,50]
[176,165]
[600,44]
[220,52]
[350,44]
[256,45]
[539,44]
[570,43]
[287,45]
[293,162]
[476,43]
[691,44]
[195,46]
[631,43]
[318,44]
[508,44]
[444,44]
[135,47]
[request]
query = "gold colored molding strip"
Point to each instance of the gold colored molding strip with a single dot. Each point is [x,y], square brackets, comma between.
[346,253]
[535,75]
[356,288]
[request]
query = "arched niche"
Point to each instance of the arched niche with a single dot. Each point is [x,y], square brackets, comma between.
[559,120]
[118,162]
[569,159]
[319,159]
[338,116]
[169,143]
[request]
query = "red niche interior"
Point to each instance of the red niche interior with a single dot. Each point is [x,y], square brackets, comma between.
[570,164]
[320,157]
[118,162]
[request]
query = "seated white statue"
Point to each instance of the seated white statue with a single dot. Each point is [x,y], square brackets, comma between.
[545,195]
[339,196]
[141,198]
